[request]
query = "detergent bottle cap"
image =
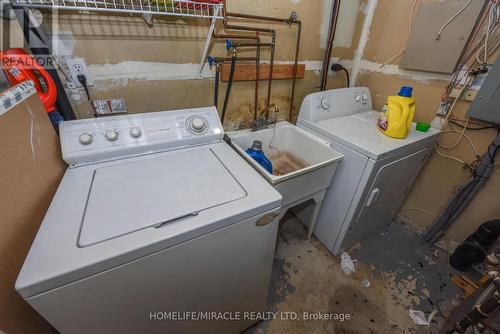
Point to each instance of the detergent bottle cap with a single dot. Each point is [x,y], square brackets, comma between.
[257,145]
[406,91]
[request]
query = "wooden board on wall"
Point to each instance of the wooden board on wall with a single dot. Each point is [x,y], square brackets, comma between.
[246,72]
[30,172]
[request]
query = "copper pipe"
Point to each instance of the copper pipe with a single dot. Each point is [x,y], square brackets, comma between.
[228,59]
[295,68]
[240,44]
[329,47]
[257,62]
[257,78]
[233,36]
[288,20]
[245,28]
[292,19]
[273,41]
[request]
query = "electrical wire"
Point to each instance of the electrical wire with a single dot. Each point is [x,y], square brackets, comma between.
[455,122]
[481,50]
[347,76]
[462,135]
[468,55]
[493,16]
[441,154]
[410,26]
[451,19]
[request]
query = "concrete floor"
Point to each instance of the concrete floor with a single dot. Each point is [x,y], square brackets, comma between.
[403,273]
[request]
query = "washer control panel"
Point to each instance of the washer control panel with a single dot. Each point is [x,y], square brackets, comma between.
[335,103]
[101,139]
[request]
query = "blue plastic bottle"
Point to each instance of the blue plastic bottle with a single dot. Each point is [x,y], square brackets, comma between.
[258,155]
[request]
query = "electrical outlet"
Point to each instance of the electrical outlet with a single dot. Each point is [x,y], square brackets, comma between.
[77,66]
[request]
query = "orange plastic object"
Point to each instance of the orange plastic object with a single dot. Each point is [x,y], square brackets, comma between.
[19,66]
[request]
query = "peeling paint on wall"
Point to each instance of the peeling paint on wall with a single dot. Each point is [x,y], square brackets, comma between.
[368,66]
[346,24]
[63,43]
[120,73]
[325,22]
[139,70]
[372,4]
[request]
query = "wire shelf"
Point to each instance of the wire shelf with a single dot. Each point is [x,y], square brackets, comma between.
[203,9]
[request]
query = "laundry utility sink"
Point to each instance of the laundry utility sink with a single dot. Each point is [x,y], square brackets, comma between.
[303,164]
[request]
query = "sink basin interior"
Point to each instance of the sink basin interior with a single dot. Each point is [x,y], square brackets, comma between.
[291,150]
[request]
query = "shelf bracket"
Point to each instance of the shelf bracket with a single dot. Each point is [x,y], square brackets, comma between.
[209,39]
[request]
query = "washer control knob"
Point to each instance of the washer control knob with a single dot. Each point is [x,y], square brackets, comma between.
[111,135]
[86,139]
[364,97]
[357,98]
[135,132]
[325,104]
[197,124]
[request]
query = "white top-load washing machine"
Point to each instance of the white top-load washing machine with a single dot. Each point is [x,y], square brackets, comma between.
[377,171]
[158,226]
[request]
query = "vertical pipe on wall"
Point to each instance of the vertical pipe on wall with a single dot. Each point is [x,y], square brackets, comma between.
[292,19]
[372,4]
[295,67]
[329,46]
[257,31]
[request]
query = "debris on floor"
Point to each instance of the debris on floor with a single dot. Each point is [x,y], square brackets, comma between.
[420,319]
[346,263]
[309,281]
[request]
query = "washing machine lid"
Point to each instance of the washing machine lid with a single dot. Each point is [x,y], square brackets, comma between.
[359,132]
[170,187]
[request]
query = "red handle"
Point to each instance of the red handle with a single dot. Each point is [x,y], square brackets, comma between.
[20,66]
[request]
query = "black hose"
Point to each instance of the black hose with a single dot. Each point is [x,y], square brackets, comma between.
[475,248]
[216,88]
[228,90]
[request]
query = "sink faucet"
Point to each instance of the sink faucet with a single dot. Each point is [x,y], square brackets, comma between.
[264,122]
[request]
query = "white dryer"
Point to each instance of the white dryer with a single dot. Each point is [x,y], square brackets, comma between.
[158,226]
[377,171]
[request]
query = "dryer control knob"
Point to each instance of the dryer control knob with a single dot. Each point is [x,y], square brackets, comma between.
[325,104]
[364,97]
[111,135]
[86,139]
[197,124]
[135,132]
[357,98]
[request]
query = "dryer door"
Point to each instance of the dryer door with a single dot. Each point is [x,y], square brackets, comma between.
[386,194]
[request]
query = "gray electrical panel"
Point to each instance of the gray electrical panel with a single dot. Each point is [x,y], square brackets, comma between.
[425,51]
[486,105]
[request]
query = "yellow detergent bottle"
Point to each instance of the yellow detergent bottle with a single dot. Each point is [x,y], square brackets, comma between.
[396,121]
